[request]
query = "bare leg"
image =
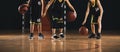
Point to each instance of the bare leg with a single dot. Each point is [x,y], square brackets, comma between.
[32,28]
[92,35]
[61,30]
[40,35]
[54,36]
[53,31]
[93,28]
[99,30]
[99,27]
[61,33]
[39,26]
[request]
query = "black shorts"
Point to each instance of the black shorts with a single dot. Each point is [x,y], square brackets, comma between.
[57,22]
[94,19]
[35,12]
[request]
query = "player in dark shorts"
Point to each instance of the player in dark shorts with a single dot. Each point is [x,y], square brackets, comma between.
[36,12]
[55,9]
[95,10]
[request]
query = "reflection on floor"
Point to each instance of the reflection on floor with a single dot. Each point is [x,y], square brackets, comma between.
[72,43]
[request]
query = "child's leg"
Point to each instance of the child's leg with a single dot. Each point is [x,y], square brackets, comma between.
[39,26]
[61,30]
[99,30]
[93,28]
[40,35]
[92,35]
[31,30]
[54,35]
[61,34]
[53,31]
[32,27]
[99,27]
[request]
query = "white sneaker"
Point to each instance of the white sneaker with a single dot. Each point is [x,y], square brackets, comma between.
[55,36]
[61,35]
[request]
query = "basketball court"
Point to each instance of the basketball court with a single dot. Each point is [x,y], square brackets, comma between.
[74,42]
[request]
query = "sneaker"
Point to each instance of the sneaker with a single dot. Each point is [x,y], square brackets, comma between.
[61,35]
[31,36]
[55,36]
[98,36]
[40,36]
[91,36]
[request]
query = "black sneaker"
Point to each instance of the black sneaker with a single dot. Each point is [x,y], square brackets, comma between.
[61,35]
[40,36]
[55,36]
[91,36]
[31,36]
[98,36]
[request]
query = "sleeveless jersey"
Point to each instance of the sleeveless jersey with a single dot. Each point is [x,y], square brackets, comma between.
[57,8]
[94,10]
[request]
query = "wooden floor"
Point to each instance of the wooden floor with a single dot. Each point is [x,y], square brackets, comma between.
[74,42]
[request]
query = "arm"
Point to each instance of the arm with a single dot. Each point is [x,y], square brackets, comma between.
[47,6]
[101,9]
[42,1]
[28,1]
[71,7]
[86,15]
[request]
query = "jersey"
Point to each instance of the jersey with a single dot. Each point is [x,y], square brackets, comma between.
[57,8]
[56,13]
[94,12]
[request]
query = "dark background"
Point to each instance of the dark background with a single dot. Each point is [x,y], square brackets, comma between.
[11,19]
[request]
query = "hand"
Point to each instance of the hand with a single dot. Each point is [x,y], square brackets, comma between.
[27,5]
[83,23]
[75,13]
[44,14]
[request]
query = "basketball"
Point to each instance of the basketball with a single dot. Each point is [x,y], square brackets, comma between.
[70,16]
[83,30]
[23,8]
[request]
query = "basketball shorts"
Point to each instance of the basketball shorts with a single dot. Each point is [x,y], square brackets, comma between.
[35,14]
[57,22]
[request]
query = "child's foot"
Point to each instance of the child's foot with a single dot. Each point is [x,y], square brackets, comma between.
[40,36]
[54,36]
[31,36]
[61,35]
[98,36]
[91,36]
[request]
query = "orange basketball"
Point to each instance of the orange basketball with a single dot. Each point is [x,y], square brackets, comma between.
[23,8]
[70,16]
[83,30]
